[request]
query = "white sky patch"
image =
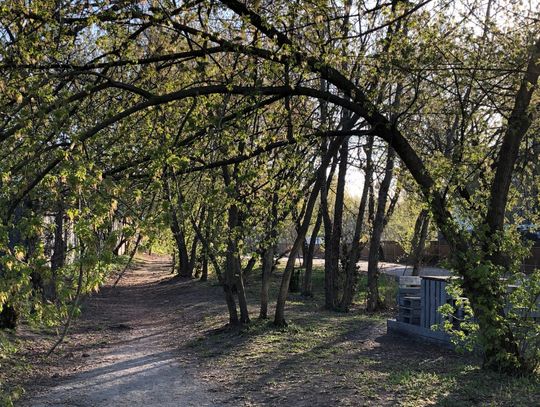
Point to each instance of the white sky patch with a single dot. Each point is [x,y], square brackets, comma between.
[354,182]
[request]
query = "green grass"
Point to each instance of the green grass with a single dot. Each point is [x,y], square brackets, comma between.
[11,364]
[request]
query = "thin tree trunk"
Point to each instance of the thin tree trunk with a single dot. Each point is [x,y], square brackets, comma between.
[349,288]
[131,256]
[58,257]
[421,228]
[373,300]
[279,318]
[205,250]
[231,267]
[178,234]
[334,245]
[241,292]
[267,266]
[192,256]
[307,290]
[73,306]
[328,227]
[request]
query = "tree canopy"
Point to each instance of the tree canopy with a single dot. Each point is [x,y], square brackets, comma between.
[229,121]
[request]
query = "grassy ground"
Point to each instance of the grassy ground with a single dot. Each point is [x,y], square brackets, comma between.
[326,358]
[10,364]
[321,359]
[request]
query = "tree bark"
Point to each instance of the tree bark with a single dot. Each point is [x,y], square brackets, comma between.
[241,292]
[268,257]
[233,270]
[307,289]
[349,287]
[58,257]
[279,317]
[421,228]
[267,266]
[333,246]
[373,299]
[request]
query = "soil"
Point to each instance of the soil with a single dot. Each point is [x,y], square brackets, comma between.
[157,340]
[125,348]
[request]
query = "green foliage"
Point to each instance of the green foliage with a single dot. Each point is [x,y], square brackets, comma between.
[9,362]
[517,297]
[459,320]
[128,114]
[524,313]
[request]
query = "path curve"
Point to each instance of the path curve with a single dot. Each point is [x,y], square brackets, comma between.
[136,363]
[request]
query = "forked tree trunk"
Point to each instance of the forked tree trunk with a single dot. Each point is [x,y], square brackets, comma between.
[487,295]
[279,317]
[233,271]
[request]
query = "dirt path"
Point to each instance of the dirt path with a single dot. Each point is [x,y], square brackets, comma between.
[124,349]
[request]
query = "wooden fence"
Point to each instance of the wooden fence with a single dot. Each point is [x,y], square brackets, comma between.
[436,251]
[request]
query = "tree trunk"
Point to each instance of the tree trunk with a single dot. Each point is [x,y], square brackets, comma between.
[421,228]
[58,257]
[331,266]
[183,256]
[349,287]
[177,230]
[267,266]
[241,292]
[231,304]
[205,249]
[487,295]
[307,289]
[8,317]
[373,300]
[210,255]
[328,227]
[279,318]
[233,270]
[192,257]
[328,282]
[268,257]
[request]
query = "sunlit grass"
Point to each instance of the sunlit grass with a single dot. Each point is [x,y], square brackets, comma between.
[346,356]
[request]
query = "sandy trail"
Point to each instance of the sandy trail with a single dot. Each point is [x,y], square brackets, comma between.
[133,358]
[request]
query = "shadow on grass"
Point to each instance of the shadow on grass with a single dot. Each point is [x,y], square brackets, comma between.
[326,358]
